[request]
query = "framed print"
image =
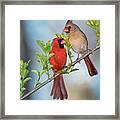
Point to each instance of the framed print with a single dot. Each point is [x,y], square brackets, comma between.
[59,59]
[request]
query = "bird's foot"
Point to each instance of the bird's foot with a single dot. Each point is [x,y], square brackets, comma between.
[85,52]
[89,50]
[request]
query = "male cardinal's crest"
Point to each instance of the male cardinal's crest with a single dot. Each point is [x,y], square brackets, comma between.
[79,42]
[58,61]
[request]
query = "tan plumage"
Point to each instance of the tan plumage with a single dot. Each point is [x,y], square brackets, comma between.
[79,43]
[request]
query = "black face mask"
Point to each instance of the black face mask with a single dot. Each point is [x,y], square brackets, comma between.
[69,28]
[61,45]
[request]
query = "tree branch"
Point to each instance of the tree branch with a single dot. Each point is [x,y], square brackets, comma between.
[52,78]
[83,56]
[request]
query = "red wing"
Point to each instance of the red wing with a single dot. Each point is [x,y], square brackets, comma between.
[53,61]
[58,60]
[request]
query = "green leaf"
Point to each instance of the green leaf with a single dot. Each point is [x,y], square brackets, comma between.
[21,94]
[41,44]
[65,72]
[23,89]
[48,47]
[62,36]
[91,22]
[37,83]
[36,72]
[50,55]
[21,63]
[74,70]
[23,75]
[49,67]
[41,58]
[97,33]
[95,24]
[23,69]
[97,42]
[21,85]
[26,79]
[42,72]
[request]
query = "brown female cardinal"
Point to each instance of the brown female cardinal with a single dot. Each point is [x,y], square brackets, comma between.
[58,61]
[79,42]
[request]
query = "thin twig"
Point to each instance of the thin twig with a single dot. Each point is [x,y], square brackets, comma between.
[40,86]
[83,56]
[50,79]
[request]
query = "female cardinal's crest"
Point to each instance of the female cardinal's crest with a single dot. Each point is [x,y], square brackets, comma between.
[69,22]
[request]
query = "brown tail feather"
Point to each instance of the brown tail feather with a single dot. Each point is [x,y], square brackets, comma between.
[91,68]
[63,89]
[58,90]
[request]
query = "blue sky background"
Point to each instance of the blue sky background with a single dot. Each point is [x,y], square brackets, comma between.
[79,84]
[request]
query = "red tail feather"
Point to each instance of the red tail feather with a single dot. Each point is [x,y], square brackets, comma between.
[91,68]
[58,90]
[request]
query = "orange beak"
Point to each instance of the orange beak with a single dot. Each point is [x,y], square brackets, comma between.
[66,30]
[63,42]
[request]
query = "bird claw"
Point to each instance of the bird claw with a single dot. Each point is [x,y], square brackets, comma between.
[89,50]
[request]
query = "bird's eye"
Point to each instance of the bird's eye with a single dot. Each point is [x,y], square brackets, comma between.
[69,27]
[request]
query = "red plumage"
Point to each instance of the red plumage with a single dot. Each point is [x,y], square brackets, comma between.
[58,61]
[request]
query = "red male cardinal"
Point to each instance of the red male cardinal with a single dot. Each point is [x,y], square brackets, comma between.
[79,42]
[58,61]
